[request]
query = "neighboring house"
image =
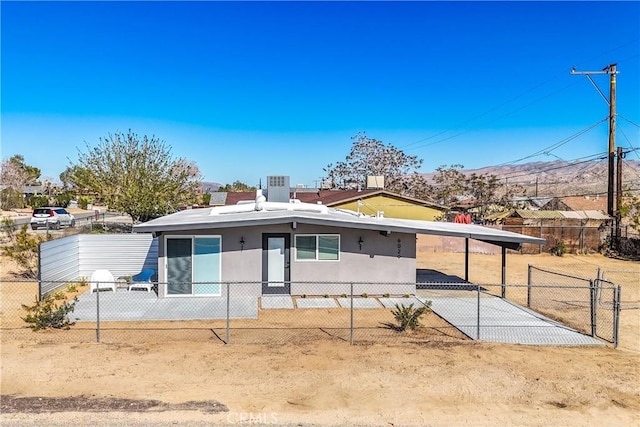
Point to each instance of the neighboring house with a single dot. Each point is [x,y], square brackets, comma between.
[368,201]
[295,248]
[579,230]
[576,203]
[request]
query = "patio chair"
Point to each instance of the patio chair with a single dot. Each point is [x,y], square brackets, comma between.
[102,279]
[142,280]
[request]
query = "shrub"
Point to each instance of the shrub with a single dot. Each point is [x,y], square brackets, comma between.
[83,202]
[58,295]
[82,281]
[38,201]
[46,314]
[343,295]
[326,295]
[559,249]
[8,226]
[72,287]
[365,295]
[409,317]
[24,250]
[63,199]
[386,295]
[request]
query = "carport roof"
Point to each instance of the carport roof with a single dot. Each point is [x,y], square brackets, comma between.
[272,213]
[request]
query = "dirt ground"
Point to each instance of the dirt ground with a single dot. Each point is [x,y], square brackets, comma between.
[322,380]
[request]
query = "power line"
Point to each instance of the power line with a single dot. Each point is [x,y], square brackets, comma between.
[557,144]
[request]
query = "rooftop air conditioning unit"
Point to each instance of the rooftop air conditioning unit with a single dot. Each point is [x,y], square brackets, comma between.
[375,181]
[278,188]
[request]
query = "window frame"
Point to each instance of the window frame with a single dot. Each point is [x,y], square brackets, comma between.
[317,247]
[193,265]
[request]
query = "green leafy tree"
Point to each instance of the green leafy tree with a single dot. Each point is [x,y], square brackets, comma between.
[450,182]
[630,209]
[237,186]
[483,188]
[371,157]
[137,176]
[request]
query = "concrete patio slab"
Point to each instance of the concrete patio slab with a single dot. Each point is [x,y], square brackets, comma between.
[142,306]
[505,322]
[276,302]
[316,303]
[391,302]
[359,303]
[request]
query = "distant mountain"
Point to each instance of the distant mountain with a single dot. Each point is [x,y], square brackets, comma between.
[560,178]
[211,186]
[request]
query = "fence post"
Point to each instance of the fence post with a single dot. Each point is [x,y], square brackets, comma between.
[592,292]
[529,286]
[228,307]
[617,306]
[478,315]
[98,312]
[351,314]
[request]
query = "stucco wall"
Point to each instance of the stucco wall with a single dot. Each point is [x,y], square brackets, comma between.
[393,208]
[378,261]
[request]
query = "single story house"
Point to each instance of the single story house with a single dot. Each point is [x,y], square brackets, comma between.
[296,248]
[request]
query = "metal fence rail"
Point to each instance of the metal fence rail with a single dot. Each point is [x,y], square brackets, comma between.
[591,306]
[454,312]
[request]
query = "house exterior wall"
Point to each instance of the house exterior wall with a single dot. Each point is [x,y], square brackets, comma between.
[378,261]
[393,208]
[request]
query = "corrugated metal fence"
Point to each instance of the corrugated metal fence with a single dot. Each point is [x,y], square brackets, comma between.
[73,257]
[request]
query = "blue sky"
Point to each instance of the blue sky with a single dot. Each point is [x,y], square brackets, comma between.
[250,89]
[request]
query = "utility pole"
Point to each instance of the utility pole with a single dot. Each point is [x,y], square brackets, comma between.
[620,156]
[612,71]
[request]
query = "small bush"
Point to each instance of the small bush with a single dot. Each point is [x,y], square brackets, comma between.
[559,249]
[343,295]
[386,295]
[83,202]
[59,295]
[365,295]
[72,287]
[409,317]
[82,281]
[38,201]
[326,295]
[46,314]
[406,296]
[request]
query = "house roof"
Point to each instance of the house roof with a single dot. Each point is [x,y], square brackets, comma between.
[585,203]
[529,214]
[332,197]
[260,213]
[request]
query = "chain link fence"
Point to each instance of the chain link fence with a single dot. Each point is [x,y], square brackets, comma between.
[591,306]
[453,312]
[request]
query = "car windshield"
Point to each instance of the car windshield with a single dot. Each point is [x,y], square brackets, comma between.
[41,211]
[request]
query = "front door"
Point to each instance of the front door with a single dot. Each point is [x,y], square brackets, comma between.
[275,263]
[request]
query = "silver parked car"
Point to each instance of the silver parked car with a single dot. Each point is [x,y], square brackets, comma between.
[52,217]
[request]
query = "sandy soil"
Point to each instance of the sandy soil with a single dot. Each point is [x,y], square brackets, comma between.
[319,379]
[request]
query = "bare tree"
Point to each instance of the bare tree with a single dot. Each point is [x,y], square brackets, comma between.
[371,157]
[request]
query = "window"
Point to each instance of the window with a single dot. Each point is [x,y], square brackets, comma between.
[193,265]
[317,247]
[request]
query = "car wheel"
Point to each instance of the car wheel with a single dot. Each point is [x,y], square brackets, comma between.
[33,227]
[56,225]
[73,223]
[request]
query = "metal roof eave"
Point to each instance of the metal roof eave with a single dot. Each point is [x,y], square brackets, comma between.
[476,232]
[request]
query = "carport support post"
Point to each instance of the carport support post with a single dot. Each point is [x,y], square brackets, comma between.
[228,306]
[98,313]
[466,259]
[351,314]
[504,272]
